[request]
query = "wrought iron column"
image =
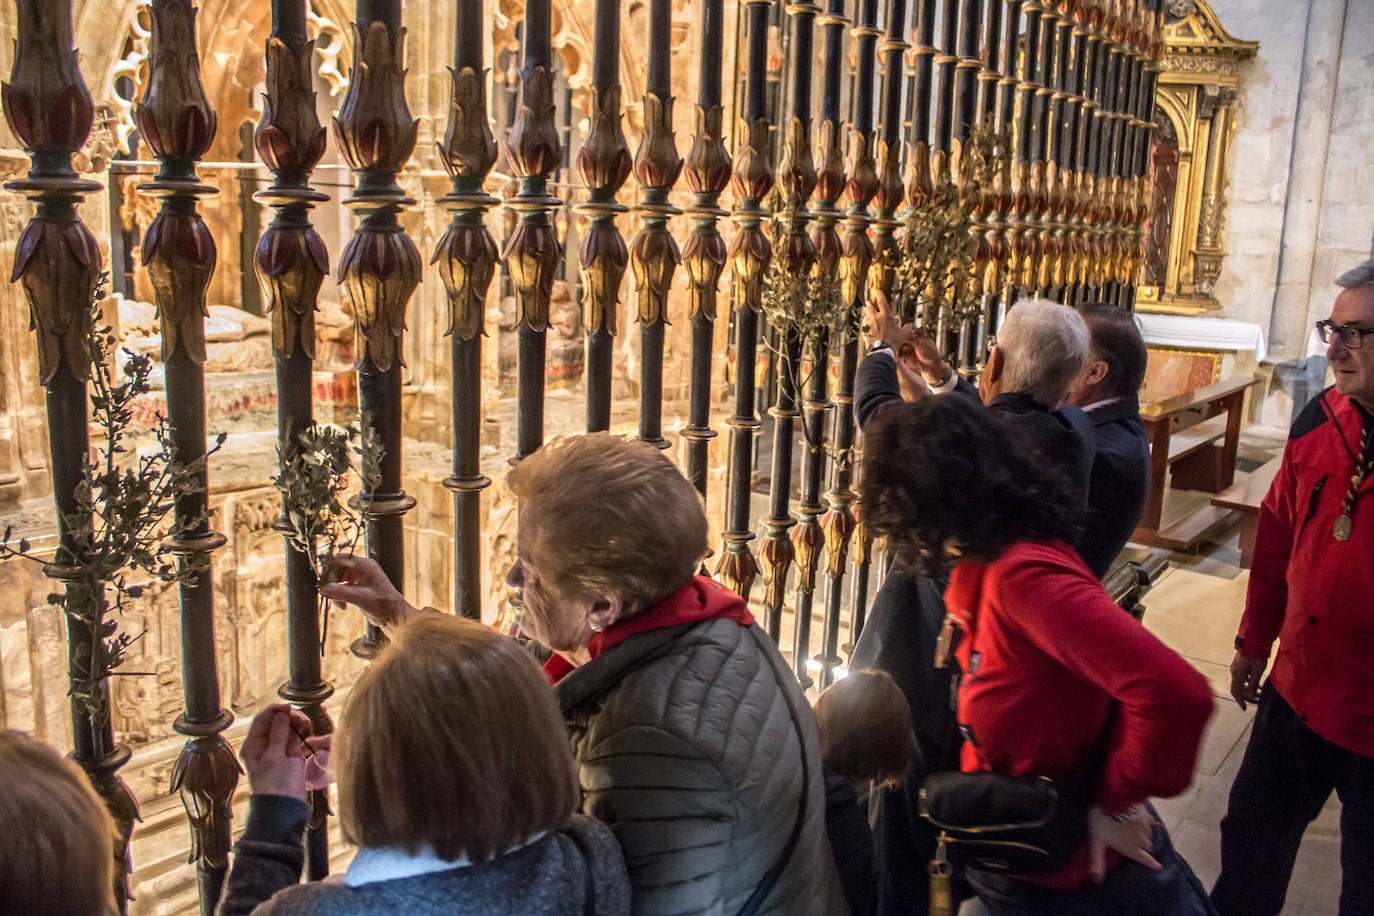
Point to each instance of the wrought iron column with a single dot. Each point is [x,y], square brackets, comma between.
[796,181]
[532,251]
[1076,77]
[603,163]
[990,74]
[999,269]
[889,152]
[653,253]
[57,262]
[466,256]
[926,176]
[1027,170]
[926,99]
[826,240]
[1085,135]
[292,262]
[958,338]
[856,259]
[1057,36]
[380,268]
[708,172]
[988,253]
[749,255]
[177,123]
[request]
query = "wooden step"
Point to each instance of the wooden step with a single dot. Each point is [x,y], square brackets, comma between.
[1189,531]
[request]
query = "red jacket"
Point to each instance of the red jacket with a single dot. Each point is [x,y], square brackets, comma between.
[1313,593]
[1045,652]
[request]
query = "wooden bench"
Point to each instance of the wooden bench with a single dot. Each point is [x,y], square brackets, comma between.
[1244,496]
[1193,438]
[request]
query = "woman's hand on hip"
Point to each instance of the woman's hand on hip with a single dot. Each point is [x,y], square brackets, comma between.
[1131,834]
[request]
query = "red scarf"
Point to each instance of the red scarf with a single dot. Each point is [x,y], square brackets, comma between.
[701,598]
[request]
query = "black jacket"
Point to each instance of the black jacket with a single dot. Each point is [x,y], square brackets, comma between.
[1119,483]
[1063,433]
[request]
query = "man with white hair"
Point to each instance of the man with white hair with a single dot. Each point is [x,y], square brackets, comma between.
[1040,351]
[1310,589]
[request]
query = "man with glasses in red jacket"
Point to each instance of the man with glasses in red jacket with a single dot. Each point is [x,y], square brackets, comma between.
[1312,590]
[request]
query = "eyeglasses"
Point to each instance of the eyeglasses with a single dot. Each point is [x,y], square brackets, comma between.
[1353,338]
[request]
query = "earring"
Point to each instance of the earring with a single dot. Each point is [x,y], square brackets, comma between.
[596,625]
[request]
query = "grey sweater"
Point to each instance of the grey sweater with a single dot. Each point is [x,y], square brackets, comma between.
[575,871]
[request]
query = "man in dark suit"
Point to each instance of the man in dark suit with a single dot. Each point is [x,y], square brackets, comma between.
[1107,392]
[1041,349]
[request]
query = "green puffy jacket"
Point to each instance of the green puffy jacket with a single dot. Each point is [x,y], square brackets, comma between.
[686,746]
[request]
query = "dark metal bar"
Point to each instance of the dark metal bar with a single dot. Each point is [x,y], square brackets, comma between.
[856,259]
[889,154]
[796,181]
[988,74]
[292,262]
[466,256]
[708,173]
[532,250]
[1076,77]
[1084,131]
[967,70]
[603,163]
[1006,85]
[749,253]
[57,262]
[653,253]
[1028,171]
[379,269]
[918,178]
[945,60]
[1057,29]
[179,252]
[959,339]
[809,537]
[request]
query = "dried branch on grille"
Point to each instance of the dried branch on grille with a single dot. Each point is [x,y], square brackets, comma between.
[938,283]
[123,504]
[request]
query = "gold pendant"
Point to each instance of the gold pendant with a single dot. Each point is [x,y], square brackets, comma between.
[1342,528]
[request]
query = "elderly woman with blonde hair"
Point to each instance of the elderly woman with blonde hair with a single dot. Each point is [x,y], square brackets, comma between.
[693,739]
[455,783]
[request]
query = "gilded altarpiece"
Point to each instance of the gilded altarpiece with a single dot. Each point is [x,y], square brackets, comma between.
[1194,124]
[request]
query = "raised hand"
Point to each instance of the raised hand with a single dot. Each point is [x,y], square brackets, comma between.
[883,325]
[360,581]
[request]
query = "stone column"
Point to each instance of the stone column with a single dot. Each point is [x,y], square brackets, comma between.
[1215,105]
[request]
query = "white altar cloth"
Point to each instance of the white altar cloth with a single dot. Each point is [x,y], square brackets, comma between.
[1194,333]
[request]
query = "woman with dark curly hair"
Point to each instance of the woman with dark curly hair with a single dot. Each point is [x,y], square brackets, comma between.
[1045,654]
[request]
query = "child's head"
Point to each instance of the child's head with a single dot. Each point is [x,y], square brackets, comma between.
[56,837]
[865,726]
